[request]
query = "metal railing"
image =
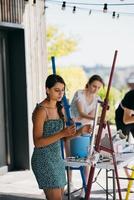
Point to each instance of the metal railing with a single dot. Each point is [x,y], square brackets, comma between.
[11,11]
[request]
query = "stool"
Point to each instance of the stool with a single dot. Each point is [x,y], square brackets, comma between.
[130,184]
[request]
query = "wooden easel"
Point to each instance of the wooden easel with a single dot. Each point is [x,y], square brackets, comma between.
[98,147]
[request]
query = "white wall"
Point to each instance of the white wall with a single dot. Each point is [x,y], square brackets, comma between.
[36,61]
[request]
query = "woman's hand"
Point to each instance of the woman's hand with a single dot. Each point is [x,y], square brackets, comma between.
[86,129]
[69,131]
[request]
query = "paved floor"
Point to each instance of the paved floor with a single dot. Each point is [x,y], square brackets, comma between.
[22,185]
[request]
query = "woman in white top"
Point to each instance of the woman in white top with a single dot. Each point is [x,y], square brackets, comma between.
[84,101]
[83,107]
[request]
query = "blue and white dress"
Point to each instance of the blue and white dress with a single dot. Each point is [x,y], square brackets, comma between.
[47,163]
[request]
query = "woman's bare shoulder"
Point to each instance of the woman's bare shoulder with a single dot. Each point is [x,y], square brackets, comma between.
[39,111]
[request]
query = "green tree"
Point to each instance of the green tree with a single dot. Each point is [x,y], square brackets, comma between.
[58,44]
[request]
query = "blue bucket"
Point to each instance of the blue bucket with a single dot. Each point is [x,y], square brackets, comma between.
[79,146]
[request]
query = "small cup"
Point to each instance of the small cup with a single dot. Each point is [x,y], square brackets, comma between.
[78,125]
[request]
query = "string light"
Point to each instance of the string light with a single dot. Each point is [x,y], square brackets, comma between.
[63,5]
[45,7]
[118,16]
[72,5]
[93,4]
[90,12]
[105,8]
[74,9]
[113,15]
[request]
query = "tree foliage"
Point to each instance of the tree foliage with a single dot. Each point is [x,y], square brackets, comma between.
[58,44]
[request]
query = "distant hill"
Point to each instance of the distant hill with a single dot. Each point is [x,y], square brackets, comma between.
[120,76]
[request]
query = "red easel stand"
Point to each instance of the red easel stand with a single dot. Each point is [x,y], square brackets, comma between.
[98,146]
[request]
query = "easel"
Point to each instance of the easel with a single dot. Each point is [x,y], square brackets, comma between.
[65,101]
[98,147]
[68,123]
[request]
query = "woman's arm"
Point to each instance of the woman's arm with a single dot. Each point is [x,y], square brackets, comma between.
[39,117]
[83,114]
[128,117]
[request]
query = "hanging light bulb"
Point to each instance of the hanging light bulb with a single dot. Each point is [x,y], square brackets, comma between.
[113,15]
[63,5]
[45,7]
[118,16]
[90,12]
[105,8]
[74,9]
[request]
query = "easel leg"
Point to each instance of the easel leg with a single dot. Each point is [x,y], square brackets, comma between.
[68,183]
[106,184]
[114,162]
[114,186]
[89,185]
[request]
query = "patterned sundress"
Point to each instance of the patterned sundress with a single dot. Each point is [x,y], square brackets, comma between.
[47,162]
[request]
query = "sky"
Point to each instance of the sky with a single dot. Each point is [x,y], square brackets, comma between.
[98,34]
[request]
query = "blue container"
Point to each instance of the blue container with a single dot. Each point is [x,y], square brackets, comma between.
[79,146]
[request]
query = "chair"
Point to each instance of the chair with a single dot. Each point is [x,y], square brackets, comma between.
[130,184]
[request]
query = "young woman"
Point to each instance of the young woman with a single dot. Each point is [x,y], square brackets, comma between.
[83,107]
[84,101]
[48,129]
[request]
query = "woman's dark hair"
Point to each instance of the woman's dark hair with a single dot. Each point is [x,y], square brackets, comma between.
[50,82]
[53,79]
[93,78]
